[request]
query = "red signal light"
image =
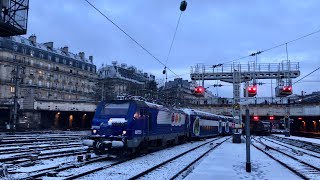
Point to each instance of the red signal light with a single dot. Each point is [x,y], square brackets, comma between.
[271,117]
[286,88]
[300,118]
[199,90]
[255,117]
[252,91]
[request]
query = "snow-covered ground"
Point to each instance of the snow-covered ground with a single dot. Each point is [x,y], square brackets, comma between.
[228,162]
[225,162]
[137,165]
[312,140]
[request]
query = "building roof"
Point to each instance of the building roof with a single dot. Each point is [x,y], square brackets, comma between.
[41,46]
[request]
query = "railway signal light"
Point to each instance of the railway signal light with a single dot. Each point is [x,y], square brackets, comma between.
[252,91]
[199,90]
[283,91]
[256,118]
[271,117]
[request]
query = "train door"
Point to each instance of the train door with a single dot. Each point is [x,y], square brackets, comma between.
[150,117]
[220,127]
[227,127]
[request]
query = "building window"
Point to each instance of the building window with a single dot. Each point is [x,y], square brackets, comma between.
[15,48]
[49,57]
[48,85]
[57,59]
[41,55]
[30,81]
[64,61]
[32,53]
[12,89]
[70,63]
[40,83]
[24,51]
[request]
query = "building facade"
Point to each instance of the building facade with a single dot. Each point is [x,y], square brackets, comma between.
[119,79]
[43,76]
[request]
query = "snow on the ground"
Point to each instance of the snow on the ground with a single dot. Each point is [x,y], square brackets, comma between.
[228,162]
[295,147]
[130,168]
[303,157]
[312,140]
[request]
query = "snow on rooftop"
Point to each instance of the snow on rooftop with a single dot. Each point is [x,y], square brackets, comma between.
[26,41]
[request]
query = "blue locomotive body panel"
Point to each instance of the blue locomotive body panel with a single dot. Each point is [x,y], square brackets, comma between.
[133,122]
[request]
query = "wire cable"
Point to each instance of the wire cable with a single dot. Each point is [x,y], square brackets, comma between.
[274,47]
[306,75]
[174,36]
[94,7]
[259,52]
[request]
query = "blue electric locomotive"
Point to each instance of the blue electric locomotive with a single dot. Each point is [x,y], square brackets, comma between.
[126,126]
[130,125]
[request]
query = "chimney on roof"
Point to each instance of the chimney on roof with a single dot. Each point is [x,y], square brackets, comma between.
[91,59]
[65,49]
[49,45]
[81,54]
[33,39]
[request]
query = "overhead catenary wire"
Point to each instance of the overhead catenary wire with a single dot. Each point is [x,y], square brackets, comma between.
[306,75]
[259,52]
[135,41]
[273,47]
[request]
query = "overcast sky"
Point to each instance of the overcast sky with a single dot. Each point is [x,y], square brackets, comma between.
[210,32]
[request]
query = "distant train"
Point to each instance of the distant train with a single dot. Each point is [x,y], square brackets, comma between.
[127,126]
[260,127]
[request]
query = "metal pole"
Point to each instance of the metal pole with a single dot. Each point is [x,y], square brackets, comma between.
[15,99]
[247,127]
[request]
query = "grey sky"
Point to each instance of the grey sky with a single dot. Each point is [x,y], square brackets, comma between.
[210,32]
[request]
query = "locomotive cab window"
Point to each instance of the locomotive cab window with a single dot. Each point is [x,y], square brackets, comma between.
[115,109]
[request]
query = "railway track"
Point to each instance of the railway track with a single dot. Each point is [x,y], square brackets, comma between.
[174,160]
[26,149]
[299,167]
[301,144]
[20,158]
[124,162]
[52,171]
[316,155]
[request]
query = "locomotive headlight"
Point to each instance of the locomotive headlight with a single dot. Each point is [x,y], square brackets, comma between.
[124,132]
[94,131]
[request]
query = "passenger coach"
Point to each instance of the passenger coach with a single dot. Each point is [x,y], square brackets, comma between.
[203,124]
